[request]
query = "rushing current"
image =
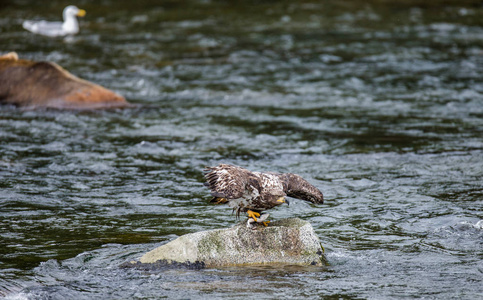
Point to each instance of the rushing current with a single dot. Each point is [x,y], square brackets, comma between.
[379,104]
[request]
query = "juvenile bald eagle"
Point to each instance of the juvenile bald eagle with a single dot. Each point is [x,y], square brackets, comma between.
[254,192]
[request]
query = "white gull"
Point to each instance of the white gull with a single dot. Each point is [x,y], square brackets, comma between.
[70,25]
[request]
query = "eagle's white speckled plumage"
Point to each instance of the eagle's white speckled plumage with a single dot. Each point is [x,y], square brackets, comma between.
[256,191]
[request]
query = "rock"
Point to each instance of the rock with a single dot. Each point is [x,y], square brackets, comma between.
[33,84]
[288,241]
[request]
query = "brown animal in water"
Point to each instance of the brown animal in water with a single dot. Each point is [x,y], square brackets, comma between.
[31,84]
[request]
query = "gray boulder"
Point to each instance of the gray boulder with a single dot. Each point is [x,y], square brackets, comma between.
[288,241]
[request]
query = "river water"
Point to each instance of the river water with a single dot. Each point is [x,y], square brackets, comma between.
[377,103]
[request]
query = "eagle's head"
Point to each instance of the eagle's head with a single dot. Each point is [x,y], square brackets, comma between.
[277,199]
[297,187]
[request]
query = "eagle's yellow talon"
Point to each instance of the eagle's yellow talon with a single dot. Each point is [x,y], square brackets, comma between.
[220,200]
[265,223]
[253,215]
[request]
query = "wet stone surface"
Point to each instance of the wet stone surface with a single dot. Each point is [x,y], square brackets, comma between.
[288,241]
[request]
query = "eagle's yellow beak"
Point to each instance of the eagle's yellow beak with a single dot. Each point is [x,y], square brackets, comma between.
[81,13]
[281,199]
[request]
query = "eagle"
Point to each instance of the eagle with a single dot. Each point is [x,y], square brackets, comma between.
[254,192]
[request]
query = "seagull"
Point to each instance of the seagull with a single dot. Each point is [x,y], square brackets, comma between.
[53,29]
[254,192]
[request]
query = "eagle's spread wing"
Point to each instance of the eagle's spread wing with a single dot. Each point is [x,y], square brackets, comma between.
[297,187]
[227,181]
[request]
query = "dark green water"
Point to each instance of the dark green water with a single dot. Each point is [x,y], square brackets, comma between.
[378,104]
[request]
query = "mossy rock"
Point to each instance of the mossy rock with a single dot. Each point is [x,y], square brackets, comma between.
[288,241]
